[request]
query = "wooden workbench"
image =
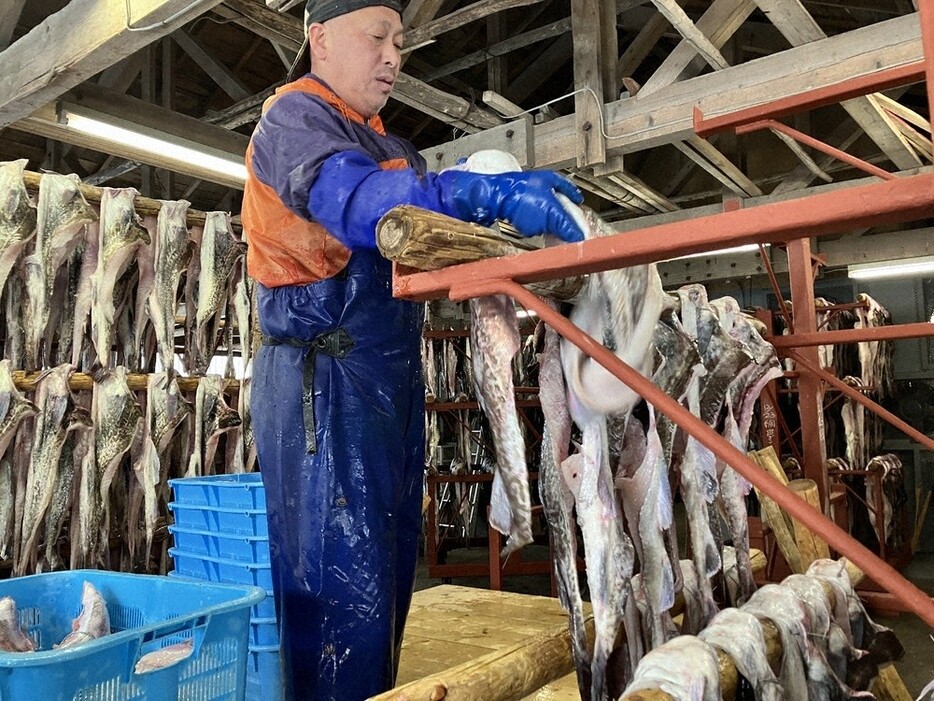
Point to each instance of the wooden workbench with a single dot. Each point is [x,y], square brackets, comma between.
[451,625]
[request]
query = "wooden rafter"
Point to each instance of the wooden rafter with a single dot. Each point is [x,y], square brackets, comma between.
[9,15]
[218,72]
[694,36]
[478,10]
[54,57]
[797,25]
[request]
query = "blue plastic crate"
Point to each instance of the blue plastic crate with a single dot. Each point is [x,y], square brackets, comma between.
[263,632]
[216,569]
[239,491]
[230,546]
[265,609]
[146,613]
[264,674]
[221,519]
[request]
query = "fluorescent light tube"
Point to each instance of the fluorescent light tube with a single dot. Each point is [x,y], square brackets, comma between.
[893,268]
[748,248]
[108,130]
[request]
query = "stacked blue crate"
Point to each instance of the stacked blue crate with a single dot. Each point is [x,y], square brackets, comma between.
[221,535]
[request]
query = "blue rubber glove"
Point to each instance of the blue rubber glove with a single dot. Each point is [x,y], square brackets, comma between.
[352,192]
[524,199]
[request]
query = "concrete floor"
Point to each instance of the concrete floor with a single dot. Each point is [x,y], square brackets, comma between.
[916,669]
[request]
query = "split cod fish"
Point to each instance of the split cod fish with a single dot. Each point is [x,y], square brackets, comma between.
[494,340]
[173,250]
[12,637]
[58,416]
[92,623]
[60,228]
[220,250]
[120,235]
[17,216]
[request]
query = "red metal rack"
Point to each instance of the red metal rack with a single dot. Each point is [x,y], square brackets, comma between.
[896,200]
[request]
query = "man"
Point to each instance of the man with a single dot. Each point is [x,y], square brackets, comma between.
[337,391]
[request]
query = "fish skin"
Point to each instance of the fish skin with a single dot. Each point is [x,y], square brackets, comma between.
[213,417]
[138,357]
[12,637]
[17,216]
[14,348]
[608,549]
[618,308]
[57,417]
[14,406]
[173,249]
[494,340]
[72,452]
[558,501]
[739,634]
[685,667]
[220,250]
[92,623]
[80,340]
[120,235]
[117,419]
[62,216]
[6,508]
[787,612]
[166,409]
[646,496]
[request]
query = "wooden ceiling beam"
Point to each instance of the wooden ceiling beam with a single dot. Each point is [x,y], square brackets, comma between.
[478,10]
[666,116]
[797,25]
[9,16]
[646,39]
[56,56]
[694,36]
[218,72]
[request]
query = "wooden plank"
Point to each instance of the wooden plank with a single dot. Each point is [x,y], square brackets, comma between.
[666,115]
[285,35]
[419,12]
[899,110]
[441,105]
[888,686]
[9,17]
[586,20]
[718,24]
[459,18]
[217,71]
[797,25]
[691,33]
[725,166]
[54,57]
[810,546]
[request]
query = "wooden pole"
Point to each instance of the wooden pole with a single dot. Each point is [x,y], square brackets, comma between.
[809,545]
[425,240]
[142,205]
[135,381]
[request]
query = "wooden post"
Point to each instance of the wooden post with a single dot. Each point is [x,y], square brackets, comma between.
[426,240]
[810,546]
[773,514]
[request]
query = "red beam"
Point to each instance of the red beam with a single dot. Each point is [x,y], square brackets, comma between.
[880,571]
[856,396]
[818,145]
[874,333]
[830,95]
[905,199]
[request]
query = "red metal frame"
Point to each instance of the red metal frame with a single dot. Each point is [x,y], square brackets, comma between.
[891,201]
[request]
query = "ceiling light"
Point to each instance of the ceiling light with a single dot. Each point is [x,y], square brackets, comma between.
[905,267]
[188,155]
[747,248]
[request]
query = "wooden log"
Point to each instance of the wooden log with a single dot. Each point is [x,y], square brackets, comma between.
[809,545]
[888,686]
[510,673]
[772,512]
[142,205]
[135,381]
[425,240]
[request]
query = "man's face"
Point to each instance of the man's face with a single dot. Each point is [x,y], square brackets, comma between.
[358,54]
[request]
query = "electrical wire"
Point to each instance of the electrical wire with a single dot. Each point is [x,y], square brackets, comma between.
[150,27]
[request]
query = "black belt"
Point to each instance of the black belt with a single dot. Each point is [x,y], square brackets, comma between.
[336,344]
